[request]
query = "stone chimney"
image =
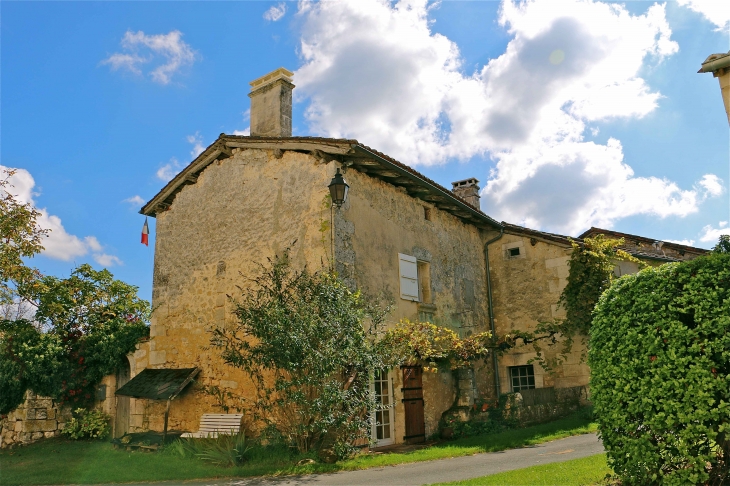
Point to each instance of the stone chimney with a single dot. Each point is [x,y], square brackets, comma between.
[468,190]
[271,104]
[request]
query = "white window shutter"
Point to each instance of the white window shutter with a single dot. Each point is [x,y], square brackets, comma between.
[408,267]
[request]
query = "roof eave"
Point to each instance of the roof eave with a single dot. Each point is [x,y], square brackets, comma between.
[426,184]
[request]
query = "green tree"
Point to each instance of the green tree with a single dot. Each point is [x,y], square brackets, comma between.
[84,326]
[20,237]
[309,343]
[660,373]
[723,245]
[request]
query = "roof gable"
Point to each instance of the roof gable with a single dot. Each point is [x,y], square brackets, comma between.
[349,152]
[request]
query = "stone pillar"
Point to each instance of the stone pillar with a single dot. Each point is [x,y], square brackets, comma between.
[719,66]
[271,100]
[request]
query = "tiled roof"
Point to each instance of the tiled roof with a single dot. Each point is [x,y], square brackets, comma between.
[161,384]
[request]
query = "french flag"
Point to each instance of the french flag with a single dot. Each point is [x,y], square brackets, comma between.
[145,233]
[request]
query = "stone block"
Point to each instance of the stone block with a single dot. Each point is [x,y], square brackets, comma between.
[48,435]
[39,403]
[36,435]
[42,413]
[39,425]
[156,330]
[140,353]
[18,426]
[158,357]
[30,413]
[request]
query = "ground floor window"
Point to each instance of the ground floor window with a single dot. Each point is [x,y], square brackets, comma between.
[522,377]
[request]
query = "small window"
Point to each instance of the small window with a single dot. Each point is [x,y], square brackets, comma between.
[427,213]
[424,281]
[513,252]
[522,377]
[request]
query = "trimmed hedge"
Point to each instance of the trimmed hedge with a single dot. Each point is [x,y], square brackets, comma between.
[660,373]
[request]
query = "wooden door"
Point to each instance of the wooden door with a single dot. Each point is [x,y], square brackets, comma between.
[413,403]
[121,417]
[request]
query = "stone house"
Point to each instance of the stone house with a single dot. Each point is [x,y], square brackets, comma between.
[431,251]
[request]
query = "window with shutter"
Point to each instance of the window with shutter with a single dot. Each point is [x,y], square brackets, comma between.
[408,267]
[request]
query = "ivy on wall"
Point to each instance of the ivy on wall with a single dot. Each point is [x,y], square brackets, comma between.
[591,272]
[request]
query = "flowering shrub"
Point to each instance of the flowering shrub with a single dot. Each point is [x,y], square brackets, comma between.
[87,424]
[435,345]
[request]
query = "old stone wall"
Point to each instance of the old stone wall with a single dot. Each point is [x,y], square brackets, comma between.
[240,212]
[378,222]
[36,418]
[526,289]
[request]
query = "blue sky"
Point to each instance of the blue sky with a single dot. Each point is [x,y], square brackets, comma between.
[571,114]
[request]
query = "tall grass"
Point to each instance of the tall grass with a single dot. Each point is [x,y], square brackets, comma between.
[223,450]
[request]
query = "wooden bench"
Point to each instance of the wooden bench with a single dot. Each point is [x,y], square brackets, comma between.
[215,424]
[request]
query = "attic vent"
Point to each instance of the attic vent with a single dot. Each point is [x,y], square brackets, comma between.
[513,252]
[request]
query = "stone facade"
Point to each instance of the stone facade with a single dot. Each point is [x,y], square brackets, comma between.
[241,211]
[36,418]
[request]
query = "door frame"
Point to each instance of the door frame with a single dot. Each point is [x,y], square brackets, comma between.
[388,381]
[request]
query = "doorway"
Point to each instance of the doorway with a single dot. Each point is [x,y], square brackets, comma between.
[121,416]
[413,404]
[383,430]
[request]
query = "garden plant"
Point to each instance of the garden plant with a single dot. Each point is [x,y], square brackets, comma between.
[660,380]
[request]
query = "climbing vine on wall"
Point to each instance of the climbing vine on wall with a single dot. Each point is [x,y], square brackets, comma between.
[591,272]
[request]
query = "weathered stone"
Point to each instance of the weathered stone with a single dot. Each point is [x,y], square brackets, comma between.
[39,403]
[158,357]
[39,425]
[41,413]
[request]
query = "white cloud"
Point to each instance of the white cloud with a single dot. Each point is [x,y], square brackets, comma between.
[169,170]
[710,234]
[135,200]
[682,242]
[59,244]
[716,11]
[712,185]
[197,142]
[569,63]
[107,260]
[166,54]
[276,12]
[246,132]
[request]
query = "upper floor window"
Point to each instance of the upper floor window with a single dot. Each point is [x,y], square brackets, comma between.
[415,279]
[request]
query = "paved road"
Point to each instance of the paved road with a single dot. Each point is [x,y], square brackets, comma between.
[420,473]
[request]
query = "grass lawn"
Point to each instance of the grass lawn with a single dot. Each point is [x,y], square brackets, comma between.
[585,471]
[59,461]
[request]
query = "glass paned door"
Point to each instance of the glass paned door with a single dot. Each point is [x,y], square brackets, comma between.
[383,423]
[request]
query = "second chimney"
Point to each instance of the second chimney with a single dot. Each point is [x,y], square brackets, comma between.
[468,190]
[271,104]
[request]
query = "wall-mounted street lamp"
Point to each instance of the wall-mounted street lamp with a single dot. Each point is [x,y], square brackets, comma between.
[338,189]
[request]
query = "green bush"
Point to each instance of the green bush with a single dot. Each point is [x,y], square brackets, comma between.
[660,373]
[87,424]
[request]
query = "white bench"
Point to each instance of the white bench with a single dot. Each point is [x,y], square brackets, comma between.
[215,424]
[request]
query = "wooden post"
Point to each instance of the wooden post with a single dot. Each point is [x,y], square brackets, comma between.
[167,414]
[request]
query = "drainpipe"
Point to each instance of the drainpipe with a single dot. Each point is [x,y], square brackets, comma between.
[495,361]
